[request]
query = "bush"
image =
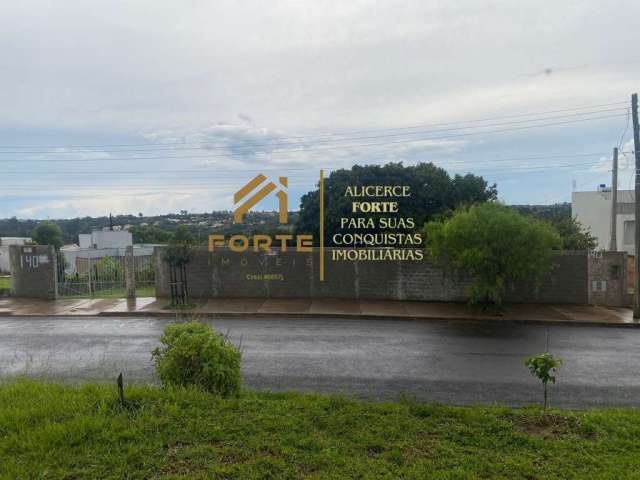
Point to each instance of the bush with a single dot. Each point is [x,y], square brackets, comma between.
[192,353]
[495,246]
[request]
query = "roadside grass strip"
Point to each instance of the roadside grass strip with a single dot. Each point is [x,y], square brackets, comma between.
[59,431]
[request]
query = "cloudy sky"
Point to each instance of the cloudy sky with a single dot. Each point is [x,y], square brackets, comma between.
[158,106]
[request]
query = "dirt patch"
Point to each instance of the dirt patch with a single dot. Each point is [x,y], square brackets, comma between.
[550,426]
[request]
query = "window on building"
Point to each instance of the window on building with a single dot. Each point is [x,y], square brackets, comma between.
[629,232]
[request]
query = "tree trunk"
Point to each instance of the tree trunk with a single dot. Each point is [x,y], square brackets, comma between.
[545,396]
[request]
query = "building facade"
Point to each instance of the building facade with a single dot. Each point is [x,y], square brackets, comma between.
[5,242]
[593,211]
[99,239]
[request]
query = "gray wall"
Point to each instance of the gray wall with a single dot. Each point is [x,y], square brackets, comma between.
[33,271]
[224,274]
[608,279]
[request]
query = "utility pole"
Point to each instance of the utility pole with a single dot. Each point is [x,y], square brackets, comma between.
[636,148]
[613,246]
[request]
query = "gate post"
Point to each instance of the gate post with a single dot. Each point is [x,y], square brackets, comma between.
[34,271]
[130,272]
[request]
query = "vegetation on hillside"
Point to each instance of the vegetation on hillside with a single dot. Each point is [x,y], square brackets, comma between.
[437,196]
[154,229]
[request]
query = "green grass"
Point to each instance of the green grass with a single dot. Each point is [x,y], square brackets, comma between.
[5,282]
[56,431]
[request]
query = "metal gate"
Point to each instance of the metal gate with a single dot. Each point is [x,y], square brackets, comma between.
[145,275]
[100,273]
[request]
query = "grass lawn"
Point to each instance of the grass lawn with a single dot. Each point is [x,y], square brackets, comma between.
[5,282]
[55,431]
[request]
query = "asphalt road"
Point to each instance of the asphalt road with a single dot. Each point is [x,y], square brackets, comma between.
[447,362]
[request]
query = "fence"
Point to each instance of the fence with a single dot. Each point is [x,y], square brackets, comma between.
[103,272]
[227,274]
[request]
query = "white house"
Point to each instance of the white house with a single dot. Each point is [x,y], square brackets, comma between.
[98,244]
[593,211]
[99,239]
[5,242]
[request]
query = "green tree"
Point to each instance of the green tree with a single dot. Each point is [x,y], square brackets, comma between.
[48,234]
[182,235]
[543,367]
[573,235]
[177,255]
[149,234]
[495,246]
[433,193]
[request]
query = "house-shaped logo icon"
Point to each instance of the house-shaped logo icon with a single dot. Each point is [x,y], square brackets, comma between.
[265,190]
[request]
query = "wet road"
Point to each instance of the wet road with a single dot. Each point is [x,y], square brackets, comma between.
[432,361]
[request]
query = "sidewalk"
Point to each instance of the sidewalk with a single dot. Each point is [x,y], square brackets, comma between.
[318,308]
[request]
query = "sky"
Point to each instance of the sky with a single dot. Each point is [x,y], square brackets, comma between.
[159,106]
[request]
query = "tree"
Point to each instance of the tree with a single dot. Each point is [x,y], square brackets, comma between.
[574,236]
[495,246]
[177,256]
[149,234]
[543,367]
[433,193]
[48,234]
[182,235]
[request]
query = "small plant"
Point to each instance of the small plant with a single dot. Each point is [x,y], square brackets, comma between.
[192,353]
[544,367]
[177,255]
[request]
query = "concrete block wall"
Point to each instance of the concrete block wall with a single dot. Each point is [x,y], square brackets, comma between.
[226,274]
[608,279]
[33,271]
[567,283]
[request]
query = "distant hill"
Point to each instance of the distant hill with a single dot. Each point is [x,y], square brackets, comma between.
[553,213]
[149,229]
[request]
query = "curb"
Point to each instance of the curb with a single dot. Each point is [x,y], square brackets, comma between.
[325,316]
[354,316]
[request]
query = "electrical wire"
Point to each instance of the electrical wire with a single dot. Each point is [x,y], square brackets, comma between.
[250,145]
[352,132]
[336,147]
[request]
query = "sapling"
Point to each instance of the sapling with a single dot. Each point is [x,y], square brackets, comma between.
[544,367]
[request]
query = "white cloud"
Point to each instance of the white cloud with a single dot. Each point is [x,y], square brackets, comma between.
[228,73]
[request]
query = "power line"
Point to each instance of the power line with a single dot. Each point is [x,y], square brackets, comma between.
[625,129]
[219,171]
[210,185]
[336,147]
[342,138]
[348,132]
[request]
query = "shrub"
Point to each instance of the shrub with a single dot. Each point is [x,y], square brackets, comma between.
[495,245]
[192,353]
